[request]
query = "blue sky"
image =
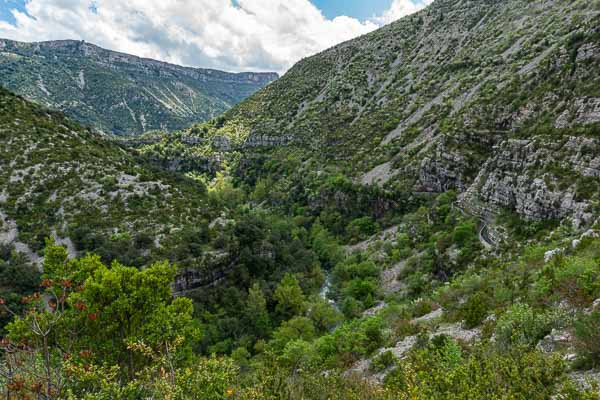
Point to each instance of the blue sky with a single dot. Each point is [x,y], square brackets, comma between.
[360,9]
[6,6]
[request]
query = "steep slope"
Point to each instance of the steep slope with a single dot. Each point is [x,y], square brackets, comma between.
[496,99]
[120,93]
[58,179]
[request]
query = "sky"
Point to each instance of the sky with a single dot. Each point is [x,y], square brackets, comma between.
[231,35]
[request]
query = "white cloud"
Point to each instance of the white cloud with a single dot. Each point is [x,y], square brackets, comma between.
[402,8]
[266,35]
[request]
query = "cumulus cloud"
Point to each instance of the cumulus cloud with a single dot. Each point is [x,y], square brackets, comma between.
[402,8]
[266,35]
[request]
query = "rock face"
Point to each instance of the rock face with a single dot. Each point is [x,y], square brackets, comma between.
[584,111]
[541,179]
[120,93]
[588,52]
[216,269]
[441,171]
[224,144]
[268,141]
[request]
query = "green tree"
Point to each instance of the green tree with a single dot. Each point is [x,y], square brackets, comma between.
[125,304]
[475,309]
[18,278]
[295,329]
[587,339]
[361,228]
[465,233]
[256,311]
[323,315]
[89,314]
[325,245]
[521,325]
[290,298]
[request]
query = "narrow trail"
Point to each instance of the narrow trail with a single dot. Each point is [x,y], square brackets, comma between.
[484,229]
[484,236]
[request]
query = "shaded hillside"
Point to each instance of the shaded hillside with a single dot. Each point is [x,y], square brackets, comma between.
[58,179]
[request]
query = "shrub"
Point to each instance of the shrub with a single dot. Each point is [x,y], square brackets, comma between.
[474,310]
[351,307]
[361,228]
[383,361]
[587,339]
[404,327]
[521,325]
[444,373]
[424,307]
[578,279]
[447,350]
[351,341]
[299,353]
[465,233]
[298,328]
[364,290]
[571,391]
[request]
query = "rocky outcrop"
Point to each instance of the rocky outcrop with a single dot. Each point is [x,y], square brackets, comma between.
[218,266]
[268,141]
[444,169]
[584,111]
[9,234]
[589,51]
[221,143]
[539,179]
[438,176]
[225,144]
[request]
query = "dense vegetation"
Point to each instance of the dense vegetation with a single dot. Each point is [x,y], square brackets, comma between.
[94,332]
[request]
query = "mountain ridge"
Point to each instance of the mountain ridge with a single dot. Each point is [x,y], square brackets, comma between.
[117,92]
[91,49]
